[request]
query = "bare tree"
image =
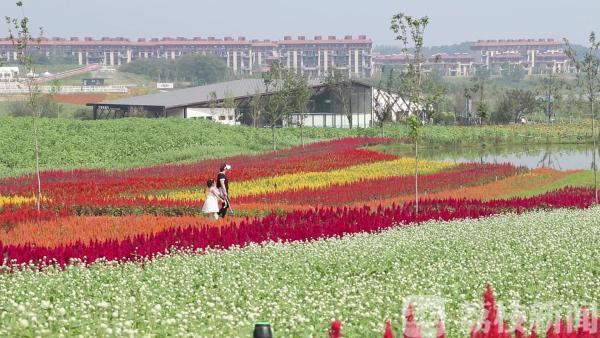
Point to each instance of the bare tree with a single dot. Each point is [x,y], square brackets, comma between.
[22,41]
[588,76]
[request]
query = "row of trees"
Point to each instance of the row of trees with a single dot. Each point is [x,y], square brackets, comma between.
[286,93]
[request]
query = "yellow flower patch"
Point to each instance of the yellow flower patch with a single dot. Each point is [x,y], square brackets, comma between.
[314,180]
[4,200]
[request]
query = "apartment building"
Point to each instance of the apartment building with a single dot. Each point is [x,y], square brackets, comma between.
[316,57]
[312,57]
[537,56]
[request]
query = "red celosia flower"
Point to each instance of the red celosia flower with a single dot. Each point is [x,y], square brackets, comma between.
[336,329]
[389,332]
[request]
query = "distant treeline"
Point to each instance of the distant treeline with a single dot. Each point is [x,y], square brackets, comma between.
[192,69]
[463,47]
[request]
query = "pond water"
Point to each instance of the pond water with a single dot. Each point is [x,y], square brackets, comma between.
[560,157]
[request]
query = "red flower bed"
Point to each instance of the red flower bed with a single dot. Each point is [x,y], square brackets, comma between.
[99,192]
[382,188]
[315,157]
[295,226]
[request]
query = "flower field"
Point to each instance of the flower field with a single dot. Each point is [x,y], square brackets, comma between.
[362,280]
[325,232]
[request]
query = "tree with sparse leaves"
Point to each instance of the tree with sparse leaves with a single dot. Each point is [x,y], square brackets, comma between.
[588,77]
[410,32]
[230,104]
[22,42]
[551,85]
[256,106]
[386,97]
[213,102]
[299,94]
[480,79]
[434,93]
[275,107]
[482,111]
[340,86]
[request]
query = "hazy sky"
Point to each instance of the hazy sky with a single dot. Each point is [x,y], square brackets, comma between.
[453,21]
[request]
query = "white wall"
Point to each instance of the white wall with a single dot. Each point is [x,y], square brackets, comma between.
[221,115]
[382,97]
[360,120]
[9,73]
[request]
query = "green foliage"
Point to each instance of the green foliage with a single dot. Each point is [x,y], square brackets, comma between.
[125,143]
[46,107]
[193,69]
[513,72]
[83,113]
[414,128]
[482,111]
[515,104]
[444,118]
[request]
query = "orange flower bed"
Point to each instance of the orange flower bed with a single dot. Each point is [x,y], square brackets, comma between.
[533,179]
[97,228]
[502,188]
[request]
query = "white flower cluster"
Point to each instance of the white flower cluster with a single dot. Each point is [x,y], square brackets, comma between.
[363,280]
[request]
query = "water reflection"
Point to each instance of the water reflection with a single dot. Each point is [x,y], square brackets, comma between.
[560,157]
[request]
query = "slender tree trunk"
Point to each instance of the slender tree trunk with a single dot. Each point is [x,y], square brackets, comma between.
[38,200]
[273,134]
[417,177]
[302,134]
[382,125]
[594,153]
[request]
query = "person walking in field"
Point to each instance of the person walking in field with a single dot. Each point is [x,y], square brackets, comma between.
[223,186]
[211,204]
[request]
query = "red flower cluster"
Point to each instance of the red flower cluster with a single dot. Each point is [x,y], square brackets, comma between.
[492,328]
[294,226]
[321,156]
